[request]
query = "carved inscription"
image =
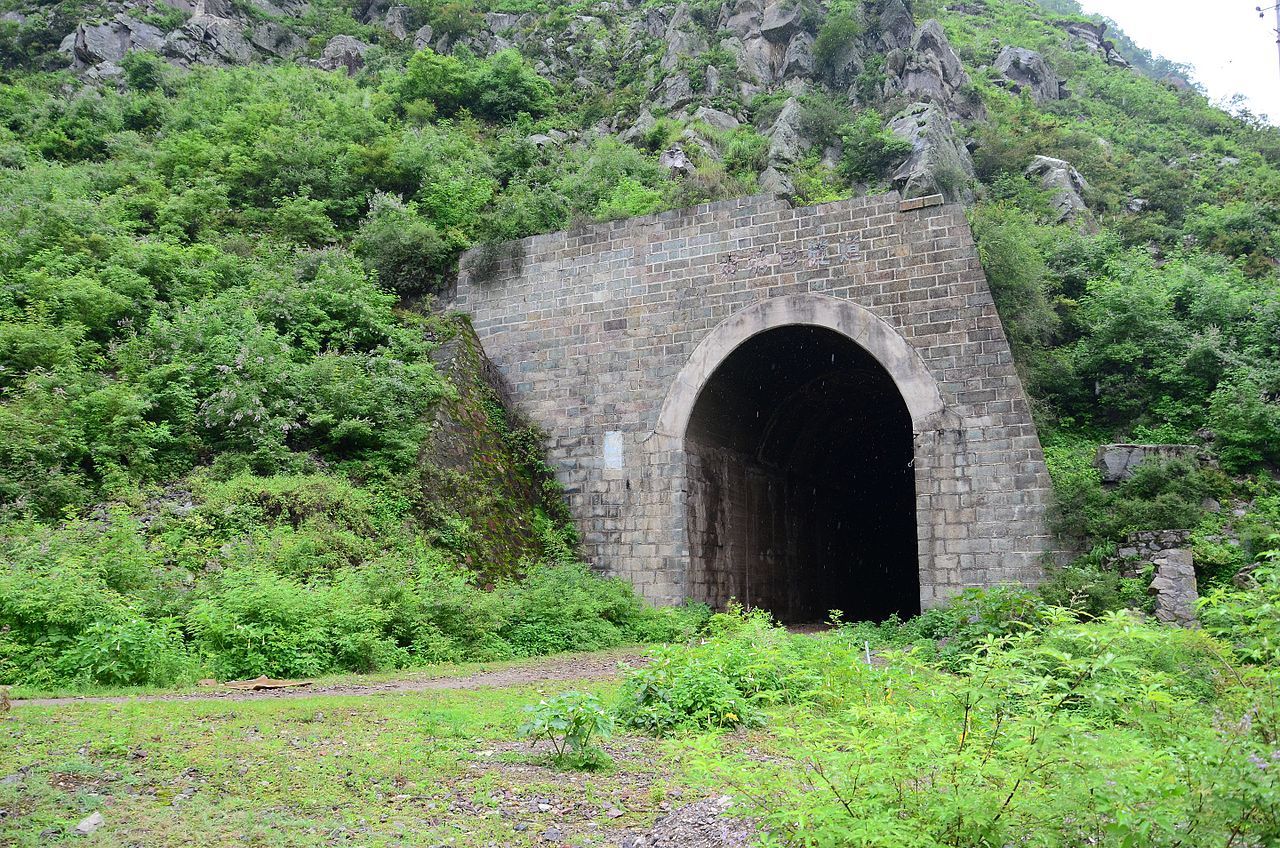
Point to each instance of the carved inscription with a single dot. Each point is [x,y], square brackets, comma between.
[812,254]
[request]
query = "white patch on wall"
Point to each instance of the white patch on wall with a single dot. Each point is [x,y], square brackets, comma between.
[613,449]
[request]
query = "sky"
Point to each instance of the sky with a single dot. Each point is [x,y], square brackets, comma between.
[1231,50]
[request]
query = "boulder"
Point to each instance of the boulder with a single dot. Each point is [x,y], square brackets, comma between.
[209,40]
[939,162]
[783,19]
[271,37]
[397,22]
[682,39]
[1025,70]
[773,181]
[345,52]
[931,71]
[1092,36]
[743,20]
[787,143]
[1068,188]
[676,162]
[640,128]
[797,61]
[499,22]
[90,824]
[897,26]
[112,41]
[716,119]
[422,38]
[756,57]
[1118,462]
[675,92]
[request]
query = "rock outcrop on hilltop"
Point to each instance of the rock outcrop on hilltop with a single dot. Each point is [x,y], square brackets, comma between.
[701,66]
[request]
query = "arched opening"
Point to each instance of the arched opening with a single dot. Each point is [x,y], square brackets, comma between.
[801,491]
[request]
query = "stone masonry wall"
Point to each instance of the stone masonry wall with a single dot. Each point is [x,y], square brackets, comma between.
[598,330]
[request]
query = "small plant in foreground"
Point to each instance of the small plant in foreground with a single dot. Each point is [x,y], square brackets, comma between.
[571,722]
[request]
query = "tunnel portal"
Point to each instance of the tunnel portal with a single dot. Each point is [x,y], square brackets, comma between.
[793,488]
[801,492]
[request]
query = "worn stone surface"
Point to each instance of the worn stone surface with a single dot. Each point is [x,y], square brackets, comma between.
[1174,587]
[939,162]
[1068,187]
[1117,462]
[930,70]
[1026,70]
[343,52]
[607,334]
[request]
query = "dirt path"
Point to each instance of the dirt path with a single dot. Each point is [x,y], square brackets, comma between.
[602,666]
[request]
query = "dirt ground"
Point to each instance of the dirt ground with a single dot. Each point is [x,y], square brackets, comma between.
[579,667]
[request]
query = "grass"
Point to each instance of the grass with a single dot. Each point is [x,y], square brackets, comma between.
[438,768]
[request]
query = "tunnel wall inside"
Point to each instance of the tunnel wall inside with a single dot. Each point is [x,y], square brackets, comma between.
[603,331]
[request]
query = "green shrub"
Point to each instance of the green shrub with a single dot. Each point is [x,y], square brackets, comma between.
[127,653]
[571,723]
[744,665]
[1249,619]
[869,148]
[403,249]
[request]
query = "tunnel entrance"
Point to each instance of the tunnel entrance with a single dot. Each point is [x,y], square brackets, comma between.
[801,493]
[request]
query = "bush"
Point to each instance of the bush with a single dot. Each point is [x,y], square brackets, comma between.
[1248,619]
[1058,729]
[746,664]
[570,722]
[498,88]
[128,653]
[402,248]
[869,148]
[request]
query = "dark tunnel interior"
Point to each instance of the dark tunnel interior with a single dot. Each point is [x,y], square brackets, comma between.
[801,491]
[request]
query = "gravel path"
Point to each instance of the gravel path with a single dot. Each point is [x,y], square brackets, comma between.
[578,667]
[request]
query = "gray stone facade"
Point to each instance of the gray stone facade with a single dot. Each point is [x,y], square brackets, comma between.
[607,334]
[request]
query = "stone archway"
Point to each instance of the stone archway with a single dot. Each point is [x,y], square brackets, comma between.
[797,419]
[918,389]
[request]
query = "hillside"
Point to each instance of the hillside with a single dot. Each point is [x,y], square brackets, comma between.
[232,407]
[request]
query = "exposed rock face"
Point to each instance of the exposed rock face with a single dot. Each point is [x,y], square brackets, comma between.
[896,25]
[675,92]
[1068,188]
[397,22]
[109,42]
[782,19]
[715,119]
[1025,70]
[1093,37]
[343,52]
[770,41]
[209,40]
[682,39]
[270,37]
[675,161]
[1175,587]
[1118,462]
[939,162]
[787,143]
[930,70]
